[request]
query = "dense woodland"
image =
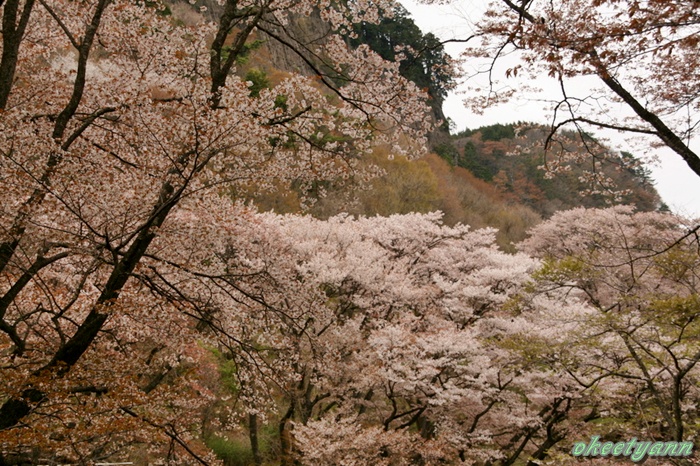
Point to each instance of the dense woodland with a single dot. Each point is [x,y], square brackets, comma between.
[238,233]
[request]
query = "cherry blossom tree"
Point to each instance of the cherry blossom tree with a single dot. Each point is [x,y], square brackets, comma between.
[122,129]
[127,274]
[408,342]
[625,334]
[382,340]
[642,54]
[409,369]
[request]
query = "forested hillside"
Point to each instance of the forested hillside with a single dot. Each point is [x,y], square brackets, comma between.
[485,177]
[512,158]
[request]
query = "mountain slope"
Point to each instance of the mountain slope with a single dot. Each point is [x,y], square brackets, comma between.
[512,158]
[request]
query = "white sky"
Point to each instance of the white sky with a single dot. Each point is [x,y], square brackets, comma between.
[678,185]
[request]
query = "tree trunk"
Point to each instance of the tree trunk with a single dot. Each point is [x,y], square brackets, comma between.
[254,445]
[286,438]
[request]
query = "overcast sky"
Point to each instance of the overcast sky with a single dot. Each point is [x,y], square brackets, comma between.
[678,185]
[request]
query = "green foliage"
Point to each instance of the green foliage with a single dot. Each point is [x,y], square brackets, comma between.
[534,353]
[281,102]
[233,452]
[676,263]
[497,132]
[244,55]
[636,168]
[481,168]
[448,152]
[236,450]
[227,371]
[465,133]
[259,81]
[675,309]
[426,66]
[562,270]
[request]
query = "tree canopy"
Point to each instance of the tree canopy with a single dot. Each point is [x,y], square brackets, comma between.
[121,127]
[422,57]
[643,54]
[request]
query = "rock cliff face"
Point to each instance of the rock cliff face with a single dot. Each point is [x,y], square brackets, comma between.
[307,31]
[304,32]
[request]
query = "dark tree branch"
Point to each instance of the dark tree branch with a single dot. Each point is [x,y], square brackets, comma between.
[12,33]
